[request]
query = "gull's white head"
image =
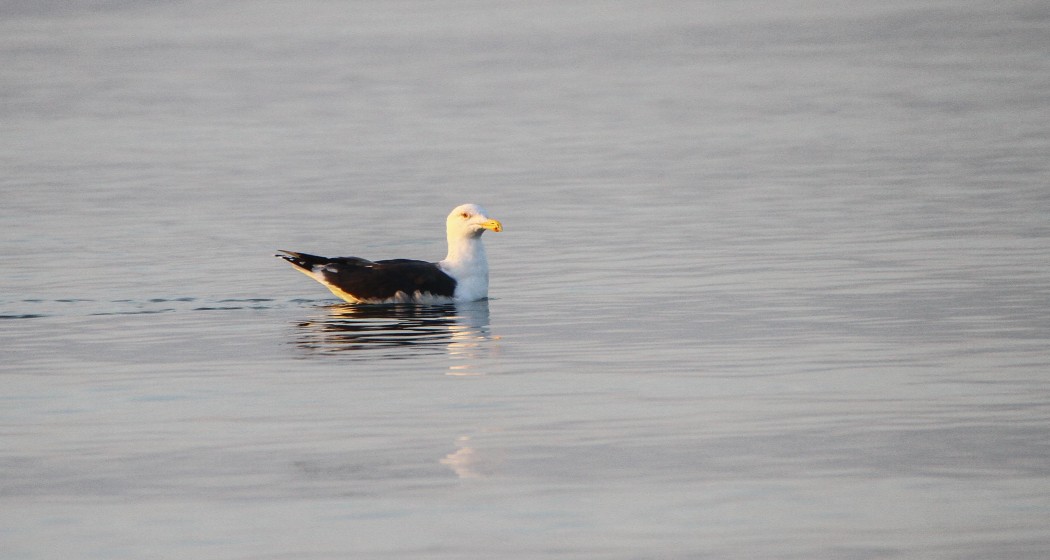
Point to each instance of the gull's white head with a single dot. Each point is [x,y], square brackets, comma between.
[466,261]
[470,221]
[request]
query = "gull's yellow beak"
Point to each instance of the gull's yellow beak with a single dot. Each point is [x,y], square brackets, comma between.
[494,225]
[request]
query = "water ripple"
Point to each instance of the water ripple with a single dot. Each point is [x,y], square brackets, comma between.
[34,308]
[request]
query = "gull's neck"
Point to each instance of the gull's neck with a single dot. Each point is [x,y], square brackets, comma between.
[465,250]
[467,263]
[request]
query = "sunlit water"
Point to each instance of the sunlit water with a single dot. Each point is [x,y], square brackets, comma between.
[774,281]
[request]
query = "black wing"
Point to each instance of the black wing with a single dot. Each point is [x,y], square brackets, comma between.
[379,280]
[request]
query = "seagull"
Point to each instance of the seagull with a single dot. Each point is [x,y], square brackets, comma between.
[462,276]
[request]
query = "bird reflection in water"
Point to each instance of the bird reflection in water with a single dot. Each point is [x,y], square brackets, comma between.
[464,461]
[370,332]
[360,331]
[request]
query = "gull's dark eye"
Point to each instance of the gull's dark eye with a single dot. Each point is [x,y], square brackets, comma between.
[464,215]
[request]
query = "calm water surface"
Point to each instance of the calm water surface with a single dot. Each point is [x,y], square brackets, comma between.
[774,281]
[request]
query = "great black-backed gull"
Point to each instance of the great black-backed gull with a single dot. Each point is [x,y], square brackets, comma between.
[462,276]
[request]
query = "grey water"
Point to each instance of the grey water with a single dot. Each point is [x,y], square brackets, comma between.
[774,280]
